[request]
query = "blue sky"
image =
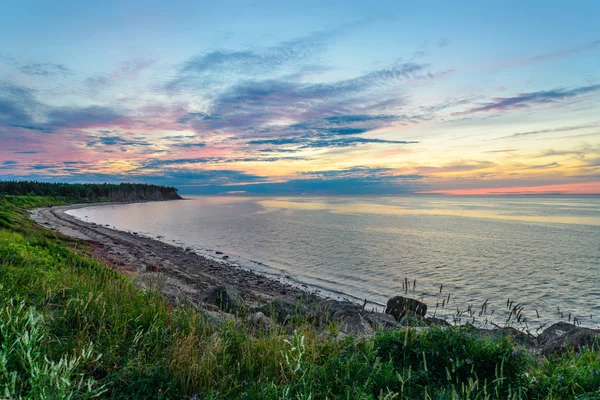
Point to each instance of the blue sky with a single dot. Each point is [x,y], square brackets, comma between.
[304,97]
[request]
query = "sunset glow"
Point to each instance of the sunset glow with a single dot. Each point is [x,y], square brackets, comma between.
[307,98]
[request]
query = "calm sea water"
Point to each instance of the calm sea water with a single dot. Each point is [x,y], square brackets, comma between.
[542,252]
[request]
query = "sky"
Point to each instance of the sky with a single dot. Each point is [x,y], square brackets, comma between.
[304,97]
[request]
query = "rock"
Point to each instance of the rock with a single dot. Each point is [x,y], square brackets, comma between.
[284,311]
[259,320]
[152,267]
[433,321]
[226,297]
[356,324]
[225,257]
[575,339]
[554,331]
[209,307]
[219,318]
[521,338]
[382,321]
[218,252]
[397,306]
[410,318]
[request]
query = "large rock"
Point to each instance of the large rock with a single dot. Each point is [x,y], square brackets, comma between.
[219,318]
[283,311]
[398,306]
[258,320]
[520,338]
[356,324]
[554,331]
[575,339]
[382,321]
[226,297]
[410,318]
[439,322]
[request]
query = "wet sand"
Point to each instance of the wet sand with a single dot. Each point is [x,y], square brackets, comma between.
[181,274]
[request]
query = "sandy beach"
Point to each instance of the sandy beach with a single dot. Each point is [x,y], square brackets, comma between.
[179,273]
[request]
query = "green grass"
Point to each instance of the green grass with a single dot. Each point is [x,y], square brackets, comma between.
[70,327]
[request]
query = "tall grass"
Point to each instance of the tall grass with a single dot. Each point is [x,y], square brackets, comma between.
[70,327]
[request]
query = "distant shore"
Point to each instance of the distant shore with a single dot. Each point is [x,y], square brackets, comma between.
[179,272]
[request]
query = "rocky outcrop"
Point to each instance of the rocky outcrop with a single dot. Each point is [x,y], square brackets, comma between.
[398,306]
[521,338]
[433,321]
[574,339]
[554,331]
[226,297]
[259,321]
[350,317]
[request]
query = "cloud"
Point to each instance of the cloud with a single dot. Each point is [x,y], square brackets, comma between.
[552,56]
[32,128]
[188,145]
[525,100]
[308,141]
[459,166]
[380,174]
[349,119]
[253,105]
[160,163]
[591,46]
[46,69]
[545,166]
[43,166]
[502,151]
[221,66]
[550,153]
[96,140]
[86,117]
[17,104]
[348,142]
[562,129]
[127,70]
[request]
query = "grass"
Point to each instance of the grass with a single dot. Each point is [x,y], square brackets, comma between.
[72,328]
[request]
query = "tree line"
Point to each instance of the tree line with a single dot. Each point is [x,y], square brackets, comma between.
[90,191]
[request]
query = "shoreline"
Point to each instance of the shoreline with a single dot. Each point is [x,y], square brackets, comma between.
[186,276]
[179,272]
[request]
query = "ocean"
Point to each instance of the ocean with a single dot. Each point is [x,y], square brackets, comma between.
[541,253]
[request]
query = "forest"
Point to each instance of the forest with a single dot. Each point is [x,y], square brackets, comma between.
[90,191]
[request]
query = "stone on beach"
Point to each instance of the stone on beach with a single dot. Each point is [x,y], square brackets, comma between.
[398,306]
[575,339]
[226,297]
[554,331]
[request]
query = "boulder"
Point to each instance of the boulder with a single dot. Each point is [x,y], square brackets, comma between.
[355,324]
[382,321]
[398,306]
[219,318]
[520,338]
[283,311]
[574,339]
[554,331]
[410,318]
[226,297]
[439,322]
[259,320]
[152,267]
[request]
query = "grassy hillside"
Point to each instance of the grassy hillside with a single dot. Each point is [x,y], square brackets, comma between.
[70,327]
